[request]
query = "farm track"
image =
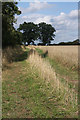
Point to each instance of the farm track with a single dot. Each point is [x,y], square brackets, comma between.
[25,94]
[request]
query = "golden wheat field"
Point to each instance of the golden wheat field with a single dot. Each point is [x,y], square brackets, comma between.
[67,55]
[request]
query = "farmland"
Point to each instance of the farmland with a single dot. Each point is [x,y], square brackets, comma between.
[41,84]
[39,75]
[66,55]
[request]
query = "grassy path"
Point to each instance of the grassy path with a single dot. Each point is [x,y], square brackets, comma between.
[25,94]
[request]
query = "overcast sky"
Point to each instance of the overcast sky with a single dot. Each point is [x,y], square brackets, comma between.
[63,16]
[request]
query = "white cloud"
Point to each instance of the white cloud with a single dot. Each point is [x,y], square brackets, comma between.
[36,6]
[45,19]
[66,25]
[73,14]
[66,21]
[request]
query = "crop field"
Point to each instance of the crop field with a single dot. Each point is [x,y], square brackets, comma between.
[66,55]
[41,82]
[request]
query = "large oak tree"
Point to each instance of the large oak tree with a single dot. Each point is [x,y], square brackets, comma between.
[30,32]
[46,32]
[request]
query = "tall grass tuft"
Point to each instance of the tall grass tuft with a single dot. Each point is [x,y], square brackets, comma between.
[11,54]
[68,96]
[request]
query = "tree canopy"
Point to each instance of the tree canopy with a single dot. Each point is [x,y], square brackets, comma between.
[9,9]
[27,32]
[30,32]
[46,33]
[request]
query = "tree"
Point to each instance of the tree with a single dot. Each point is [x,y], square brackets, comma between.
[46,32]
[18,37]
[9,9]
[29,31]
[75,42]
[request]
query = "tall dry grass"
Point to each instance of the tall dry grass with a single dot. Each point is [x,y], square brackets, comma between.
[11,54]
[66,55]
[48,74]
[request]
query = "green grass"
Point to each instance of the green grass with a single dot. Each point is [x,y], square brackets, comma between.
[25,95]
[62,71]
[22,56]
[65,73]
[39,51]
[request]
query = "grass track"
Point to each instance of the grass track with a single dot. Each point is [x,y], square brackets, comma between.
[25,94]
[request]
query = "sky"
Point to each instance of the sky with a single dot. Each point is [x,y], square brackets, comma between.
[63,16]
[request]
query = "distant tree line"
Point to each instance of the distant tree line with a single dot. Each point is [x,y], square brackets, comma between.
[75,42]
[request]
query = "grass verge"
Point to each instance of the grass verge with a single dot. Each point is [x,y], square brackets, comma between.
[64,73]
[25,94]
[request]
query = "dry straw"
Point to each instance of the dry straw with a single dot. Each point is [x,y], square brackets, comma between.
[49,76]
[67,55]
